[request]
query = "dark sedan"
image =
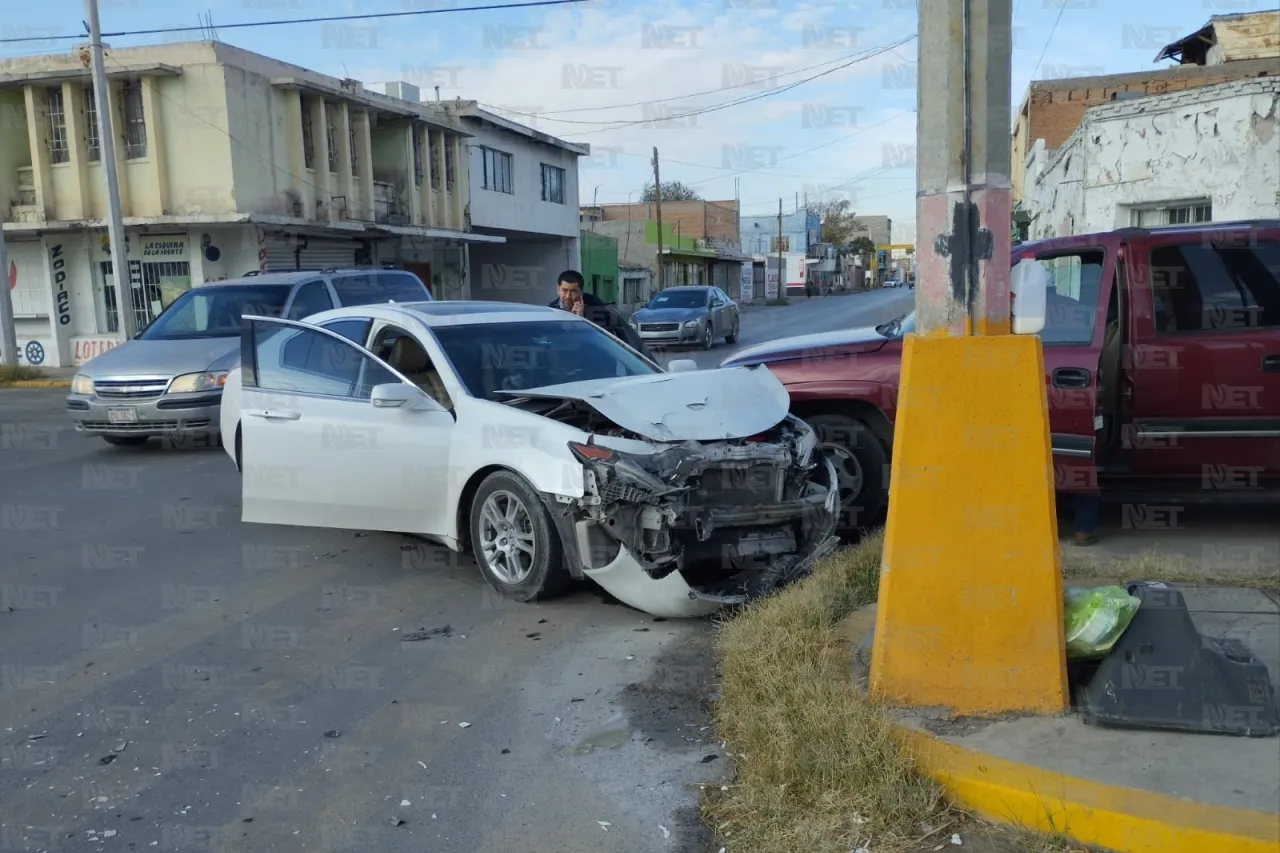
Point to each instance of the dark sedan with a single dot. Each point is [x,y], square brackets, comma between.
[688,315]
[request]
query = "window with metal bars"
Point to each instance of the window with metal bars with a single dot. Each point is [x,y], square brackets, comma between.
[147,300]
[331,134]
[308,138]
[56,125]
[433,155]
[135,122]
[91,139]
[552,184]
[417,156]
[449,144]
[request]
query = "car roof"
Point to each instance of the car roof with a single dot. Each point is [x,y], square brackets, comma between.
[687,287]
[450,313]
[269,278]
[1107,238]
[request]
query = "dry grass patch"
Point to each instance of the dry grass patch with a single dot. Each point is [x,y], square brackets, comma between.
[817,767]
[17,372]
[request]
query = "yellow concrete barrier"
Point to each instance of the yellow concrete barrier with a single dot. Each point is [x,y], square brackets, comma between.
[969,614]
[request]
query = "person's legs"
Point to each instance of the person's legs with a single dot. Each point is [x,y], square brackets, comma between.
[1086,509]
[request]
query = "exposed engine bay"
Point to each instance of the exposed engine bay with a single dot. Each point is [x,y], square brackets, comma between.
[735,519]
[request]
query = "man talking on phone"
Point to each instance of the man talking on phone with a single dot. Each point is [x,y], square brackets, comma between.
[571,297]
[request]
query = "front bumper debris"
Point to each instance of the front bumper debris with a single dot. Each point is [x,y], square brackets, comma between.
[696,527]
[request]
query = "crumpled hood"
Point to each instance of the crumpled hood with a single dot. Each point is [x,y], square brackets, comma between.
[701,405]
[865,339]
[160,358]
[668,315]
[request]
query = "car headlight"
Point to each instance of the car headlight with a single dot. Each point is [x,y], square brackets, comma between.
[690,324]
[81,384]
[191,382]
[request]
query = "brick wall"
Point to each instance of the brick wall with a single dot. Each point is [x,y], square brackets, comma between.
[696,219]
[1056,107]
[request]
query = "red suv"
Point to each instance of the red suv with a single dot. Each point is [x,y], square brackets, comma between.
[1162,354]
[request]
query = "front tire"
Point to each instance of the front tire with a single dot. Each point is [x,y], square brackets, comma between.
[862,469]
[732,337]
[708,336]
[515,543]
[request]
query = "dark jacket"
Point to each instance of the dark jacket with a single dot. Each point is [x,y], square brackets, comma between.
[599,312]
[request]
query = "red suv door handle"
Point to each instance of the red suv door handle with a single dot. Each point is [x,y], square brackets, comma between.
[1070,377]
[1271,364]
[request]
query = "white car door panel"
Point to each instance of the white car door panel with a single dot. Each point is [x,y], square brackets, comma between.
[318,453]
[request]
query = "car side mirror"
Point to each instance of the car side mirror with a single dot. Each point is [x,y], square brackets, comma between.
[1028,290]
[682,365]
[398,395]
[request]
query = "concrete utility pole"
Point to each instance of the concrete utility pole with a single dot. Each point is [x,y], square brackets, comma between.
[969,614]
[107,143]
[657,197]
[8,332]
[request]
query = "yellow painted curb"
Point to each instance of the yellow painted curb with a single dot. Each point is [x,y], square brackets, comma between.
[36,383]
[1121,819]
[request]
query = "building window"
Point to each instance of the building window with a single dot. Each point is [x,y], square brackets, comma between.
[417,156]
[780,244]
[449,146]
[308,138]
[135,122]
[1182,214]
[331,134]
[497,170]
[56,125]
[351,143]
[433,155]
[552,184]
[91,139]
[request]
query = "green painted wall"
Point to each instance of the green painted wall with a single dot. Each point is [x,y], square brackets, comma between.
[671,241]
[600,258]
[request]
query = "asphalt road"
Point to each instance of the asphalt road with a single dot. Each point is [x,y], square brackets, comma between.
[801,317]
[173,679]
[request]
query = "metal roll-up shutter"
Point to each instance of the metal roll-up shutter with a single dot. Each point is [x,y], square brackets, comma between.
[720,276]
[329,253]
[280,254]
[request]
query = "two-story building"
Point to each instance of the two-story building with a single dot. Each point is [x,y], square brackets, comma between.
[228,162]
[800,229]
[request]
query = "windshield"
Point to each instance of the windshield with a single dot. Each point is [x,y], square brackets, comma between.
[501,357]
[215,312]
[679,299]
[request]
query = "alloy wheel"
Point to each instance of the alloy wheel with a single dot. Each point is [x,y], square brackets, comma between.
[507,541]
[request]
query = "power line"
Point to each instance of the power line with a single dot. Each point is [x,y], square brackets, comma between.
[674,97]
[1062,7]
[736,102]
[325,19]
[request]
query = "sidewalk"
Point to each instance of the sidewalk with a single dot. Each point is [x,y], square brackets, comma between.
[1131,791]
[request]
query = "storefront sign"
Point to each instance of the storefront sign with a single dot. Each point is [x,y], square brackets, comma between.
[61,296]
[746,282]
[165,248]
[83,349]
[771,284]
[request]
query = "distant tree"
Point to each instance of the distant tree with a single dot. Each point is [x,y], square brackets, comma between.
[671,191]
[837,222]
[862,246]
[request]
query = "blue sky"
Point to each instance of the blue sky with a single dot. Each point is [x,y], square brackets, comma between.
[849,134]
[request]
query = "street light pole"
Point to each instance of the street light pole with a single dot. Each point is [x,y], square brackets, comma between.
[969,613]
[107,145]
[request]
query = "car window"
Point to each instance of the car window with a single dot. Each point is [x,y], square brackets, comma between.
[493,358]
[1199,287]
[215,311]
[307,361]
[354,330]
[405,353]
[311,298]
[401,286]
[679,299]
[1071,305]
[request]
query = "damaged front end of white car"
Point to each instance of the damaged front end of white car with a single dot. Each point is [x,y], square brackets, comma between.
[699,489]
[696,526]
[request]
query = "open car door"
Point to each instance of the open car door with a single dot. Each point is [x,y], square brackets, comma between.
[334,437]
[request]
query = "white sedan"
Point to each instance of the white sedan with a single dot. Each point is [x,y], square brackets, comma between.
[536,441]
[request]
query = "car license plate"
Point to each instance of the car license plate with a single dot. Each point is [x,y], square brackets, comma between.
[127,415]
